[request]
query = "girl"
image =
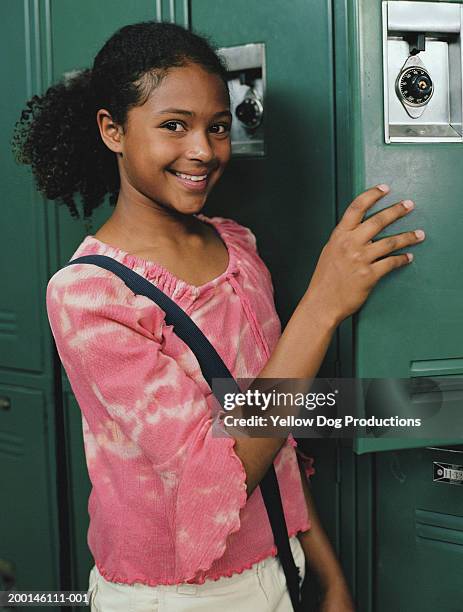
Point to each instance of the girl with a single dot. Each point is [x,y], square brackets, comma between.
[176,522]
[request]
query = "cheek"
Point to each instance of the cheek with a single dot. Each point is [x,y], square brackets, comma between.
[148,156]
[223,152]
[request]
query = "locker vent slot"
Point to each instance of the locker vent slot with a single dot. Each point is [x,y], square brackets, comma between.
[437,367]
[444,528]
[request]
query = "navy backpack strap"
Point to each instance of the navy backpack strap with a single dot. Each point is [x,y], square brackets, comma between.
[212,366]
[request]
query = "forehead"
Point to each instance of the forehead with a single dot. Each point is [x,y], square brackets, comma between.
[189,87]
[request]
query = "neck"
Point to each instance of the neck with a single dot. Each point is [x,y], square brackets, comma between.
[137,219]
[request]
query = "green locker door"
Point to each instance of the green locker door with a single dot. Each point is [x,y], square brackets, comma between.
[420,533]
[412,324]
[29,529]
[410,328]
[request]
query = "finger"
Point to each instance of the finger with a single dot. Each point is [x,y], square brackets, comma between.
[387,245]
[380,220]
[356,210]
[386,265]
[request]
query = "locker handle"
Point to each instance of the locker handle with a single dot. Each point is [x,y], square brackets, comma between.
[5,403]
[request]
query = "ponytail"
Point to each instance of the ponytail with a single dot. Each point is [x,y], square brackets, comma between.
[57,135]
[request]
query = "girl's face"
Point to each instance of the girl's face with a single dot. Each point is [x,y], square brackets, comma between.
[175,146]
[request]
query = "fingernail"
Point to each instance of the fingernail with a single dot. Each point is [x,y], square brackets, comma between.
[383,187]
[420,234]
[409,256]
[408,204]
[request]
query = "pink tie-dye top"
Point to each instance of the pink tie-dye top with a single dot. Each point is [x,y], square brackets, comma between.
[168,501]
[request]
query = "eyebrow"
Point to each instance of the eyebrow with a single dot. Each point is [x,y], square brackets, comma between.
[179,111]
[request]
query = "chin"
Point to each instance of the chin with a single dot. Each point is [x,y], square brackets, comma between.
[190,208]
[181,206]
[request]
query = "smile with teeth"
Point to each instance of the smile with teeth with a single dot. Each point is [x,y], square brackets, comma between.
[191,177]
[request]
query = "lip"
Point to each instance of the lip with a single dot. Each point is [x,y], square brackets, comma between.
[191,173]
[191,185]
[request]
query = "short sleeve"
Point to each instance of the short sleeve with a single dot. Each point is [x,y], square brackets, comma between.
[246,241]
[306,461]
[124,365]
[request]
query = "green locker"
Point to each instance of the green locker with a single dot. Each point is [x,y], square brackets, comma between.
[419,532]
[411,326]
[30,512]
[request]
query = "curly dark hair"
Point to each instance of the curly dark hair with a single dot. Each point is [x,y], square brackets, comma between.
[57,133]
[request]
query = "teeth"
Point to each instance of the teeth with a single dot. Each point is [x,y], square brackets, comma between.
[190,177]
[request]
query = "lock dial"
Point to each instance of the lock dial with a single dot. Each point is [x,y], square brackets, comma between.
[415,86]
[250,111]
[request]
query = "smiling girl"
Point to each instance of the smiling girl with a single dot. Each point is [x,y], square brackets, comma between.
[177,520]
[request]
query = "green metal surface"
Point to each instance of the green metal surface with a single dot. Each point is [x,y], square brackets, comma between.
[411,325]
[419,523]
[29,532]
[28,538]
[415,313]
[20,212]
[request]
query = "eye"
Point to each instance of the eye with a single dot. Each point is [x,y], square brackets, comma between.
[172,126]
[220,128]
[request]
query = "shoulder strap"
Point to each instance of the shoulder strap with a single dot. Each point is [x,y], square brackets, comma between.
[212,366]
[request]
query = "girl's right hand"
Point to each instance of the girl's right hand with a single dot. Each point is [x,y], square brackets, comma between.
[348,267]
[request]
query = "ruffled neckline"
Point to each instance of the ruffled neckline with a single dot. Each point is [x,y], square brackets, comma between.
[155,271]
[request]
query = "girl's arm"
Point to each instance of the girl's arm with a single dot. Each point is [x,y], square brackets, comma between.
[346,272]
[298,355]
[320,556]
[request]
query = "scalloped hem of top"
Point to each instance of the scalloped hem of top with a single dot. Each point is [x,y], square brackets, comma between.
[271,553]
[111,577]
[206,565]
[190,577]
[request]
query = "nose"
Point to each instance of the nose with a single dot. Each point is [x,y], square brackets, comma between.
[199,147]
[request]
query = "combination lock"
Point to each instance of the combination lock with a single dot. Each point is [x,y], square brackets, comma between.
[250,111]
[415,86]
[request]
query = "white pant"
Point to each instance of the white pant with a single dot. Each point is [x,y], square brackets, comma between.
[262,588]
